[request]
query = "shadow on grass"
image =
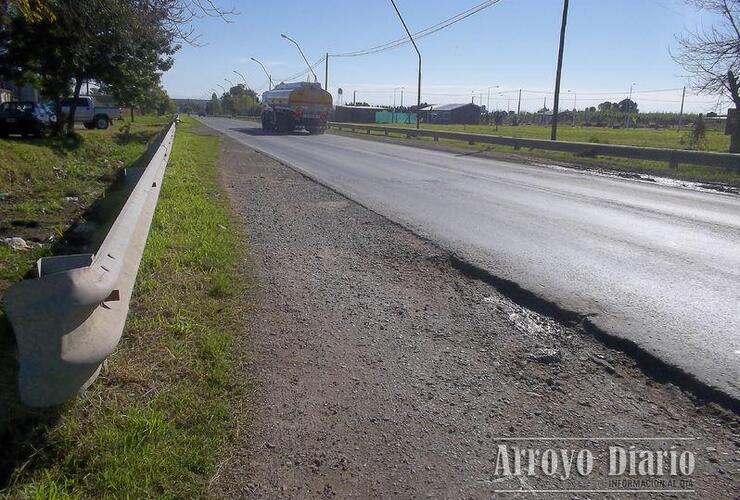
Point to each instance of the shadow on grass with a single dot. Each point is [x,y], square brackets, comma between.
[23,430]
[60,144]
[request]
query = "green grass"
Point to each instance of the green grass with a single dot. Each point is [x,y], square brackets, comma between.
[645,137]
[39,175]
[155,421]
[636,137]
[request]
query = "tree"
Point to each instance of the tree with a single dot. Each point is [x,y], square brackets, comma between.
[711,56]
[627,106]
[213,107]
[116,43]
[605,106]
[31,10]
[123,45]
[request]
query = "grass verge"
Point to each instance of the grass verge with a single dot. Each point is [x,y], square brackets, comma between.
[692,173]
[716,140]
[154,423]
[47,184]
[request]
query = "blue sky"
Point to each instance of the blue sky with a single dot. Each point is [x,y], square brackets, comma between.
[513,44]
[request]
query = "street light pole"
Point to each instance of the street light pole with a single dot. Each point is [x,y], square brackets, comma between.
[302,55]
[221,87]
[229,82]
[554,132]
[418,89]
[269,78]
[243,79]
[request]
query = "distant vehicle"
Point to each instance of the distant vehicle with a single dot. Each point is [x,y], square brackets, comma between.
[201,113]
[22,117]
[90,115]
[290,106]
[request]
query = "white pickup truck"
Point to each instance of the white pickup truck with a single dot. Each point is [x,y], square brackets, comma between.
[90,115]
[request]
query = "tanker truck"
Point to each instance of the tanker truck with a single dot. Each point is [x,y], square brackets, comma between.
[291,106]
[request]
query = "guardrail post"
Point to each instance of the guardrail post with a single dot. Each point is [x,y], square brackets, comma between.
[436,137]
[673,163]
[386,132]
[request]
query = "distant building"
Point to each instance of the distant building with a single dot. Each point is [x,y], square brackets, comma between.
[19,92]
[356,114]
[455,113]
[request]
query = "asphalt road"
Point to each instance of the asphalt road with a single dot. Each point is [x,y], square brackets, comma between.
[654,264]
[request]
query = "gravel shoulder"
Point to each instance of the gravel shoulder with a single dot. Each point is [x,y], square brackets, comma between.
[384,371]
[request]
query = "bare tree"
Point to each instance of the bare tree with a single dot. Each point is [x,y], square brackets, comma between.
[180,15]
[711,56]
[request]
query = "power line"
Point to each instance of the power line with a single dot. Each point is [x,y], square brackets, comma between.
[420,34]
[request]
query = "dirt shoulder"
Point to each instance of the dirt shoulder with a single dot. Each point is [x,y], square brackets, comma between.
[383,371]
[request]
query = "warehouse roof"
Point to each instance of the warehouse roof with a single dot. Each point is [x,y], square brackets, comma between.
[450,107]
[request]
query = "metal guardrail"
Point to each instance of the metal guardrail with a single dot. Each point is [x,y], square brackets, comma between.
[673,156]
[69,319]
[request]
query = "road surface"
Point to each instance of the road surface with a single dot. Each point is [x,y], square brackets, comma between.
[656,265]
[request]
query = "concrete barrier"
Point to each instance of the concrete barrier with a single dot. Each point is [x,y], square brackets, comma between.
[69,319]
[674,157]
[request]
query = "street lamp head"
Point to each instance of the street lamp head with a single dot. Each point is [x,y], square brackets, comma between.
[253,59]
[284,36]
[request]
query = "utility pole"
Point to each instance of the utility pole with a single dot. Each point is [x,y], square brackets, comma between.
[575,96]
[629,108]
[418,90]
[680,114]
[519,104]
[554,132]
[326,73]
[354,97]
[488,102]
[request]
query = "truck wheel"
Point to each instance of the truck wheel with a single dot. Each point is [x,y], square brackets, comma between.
[101,122]
[266,123]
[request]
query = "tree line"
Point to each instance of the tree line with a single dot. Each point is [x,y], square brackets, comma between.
[238,100]
[122,46]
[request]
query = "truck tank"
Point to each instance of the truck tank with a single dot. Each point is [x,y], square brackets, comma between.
[291,106]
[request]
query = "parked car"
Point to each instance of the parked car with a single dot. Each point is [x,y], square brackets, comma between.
[90,115]
[50,118]
[22,117]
